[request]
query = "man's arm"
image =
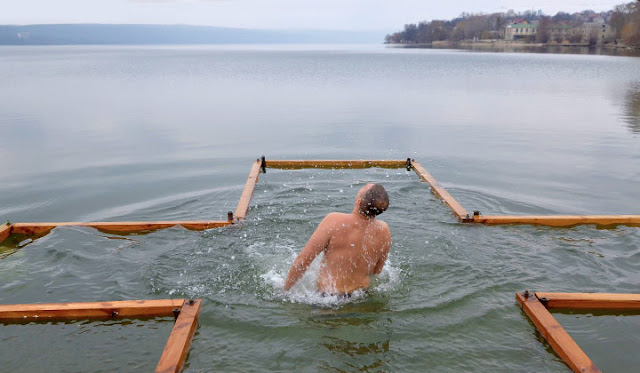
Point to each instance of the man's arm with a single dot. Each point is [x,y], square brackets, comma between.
[316,244]
[386,245]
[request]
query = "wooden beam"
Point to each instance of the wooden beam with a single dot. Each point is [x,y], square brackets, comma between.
[554,333]
[439,191]
[245,199]
[591,301]
[117,227]
[91,310]
[5,231]
[317,163]
[560,220]
[177,347]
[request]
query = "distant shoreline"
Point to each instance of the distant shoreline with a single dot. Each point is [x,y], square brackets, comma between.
[509,46]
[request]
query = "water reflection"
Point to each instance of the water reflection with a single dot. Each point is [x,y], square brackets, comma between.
[632,108]
[355,336]
[523,48]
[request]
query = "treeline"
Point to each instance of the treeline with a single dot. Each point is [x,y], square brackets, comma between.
[624,21]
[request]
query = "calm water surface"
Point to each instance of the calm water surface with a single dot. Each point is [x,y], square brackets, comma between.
[164,133]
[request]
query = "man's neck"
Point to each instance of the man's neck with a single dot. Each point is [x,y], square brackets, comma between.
[363,216]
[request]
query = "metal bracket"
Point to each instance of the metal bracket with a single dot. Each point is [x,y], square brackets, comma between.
[230,217]
[471,219]
[114,314]
[544,301]
[176,313]
[408,164]
[467,219]
[263,165]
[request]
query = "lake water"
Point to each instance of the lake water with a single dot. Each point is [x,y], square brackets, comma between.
[167,133]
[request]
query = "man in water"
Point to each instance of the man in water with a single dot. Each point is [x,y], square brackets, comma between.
[355,246]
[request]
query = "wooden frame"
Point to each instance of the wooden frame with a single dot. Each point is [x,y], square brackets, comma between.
[177,347]
[242,209]
[437,189]
[442,193]
[460,212]
[564,221]
[5,231]
[245,199]
[537,306]
[42,229]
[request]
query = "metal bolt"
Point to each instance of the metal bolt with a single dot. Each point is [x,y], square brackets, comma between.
[263,165]
[544,301]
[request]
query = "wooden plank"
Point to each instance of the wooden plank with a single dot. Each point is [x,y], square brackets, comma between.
[5,231]
[243,205]
[119,227]
[554,333]
[333,163]
[91,310]
[560,220]
[439,191]
[177,347]
[592,301]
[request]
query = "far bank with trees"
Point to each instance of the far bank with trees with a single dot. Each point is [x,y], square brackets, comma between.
[619,27]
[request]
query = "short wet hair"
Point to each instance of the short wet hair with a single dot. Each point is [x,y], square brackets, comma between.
[374,201]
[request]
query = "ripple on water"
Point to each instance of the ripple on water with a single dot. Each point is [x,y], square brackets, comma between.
[445,297]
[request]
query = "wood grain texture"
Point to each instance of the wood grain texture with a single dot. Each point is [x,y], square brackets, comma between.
[39,229]
[560,220]
[5,231]
[591,301]
[439,191]
[91,310]
[554,333]
[177,347]
[334,164]
[245,199]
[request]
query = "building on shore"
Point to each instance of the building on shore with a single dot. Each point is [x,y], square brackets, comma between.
[591,32]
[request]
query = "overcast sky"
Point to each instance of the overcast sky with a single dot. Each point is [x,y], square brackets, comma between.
[386,15]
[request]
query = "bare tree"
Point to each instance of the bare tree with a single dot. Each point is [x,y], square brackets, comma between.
[544,32]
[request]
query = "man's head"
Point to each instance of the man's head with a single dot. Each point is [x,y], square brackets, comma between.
[372,200]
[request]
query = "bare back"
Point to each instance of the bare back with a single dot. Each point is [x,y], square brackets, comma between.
[355,245]
[357,248]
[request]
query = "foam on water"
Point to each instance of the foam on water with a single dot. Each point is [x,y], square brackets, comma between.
[305,291]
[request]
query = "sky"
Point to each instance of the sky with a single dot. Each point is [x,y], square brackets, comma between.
[379,15]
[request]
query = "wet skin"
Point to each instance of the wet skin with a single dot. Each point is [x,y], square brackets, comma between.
[355,246]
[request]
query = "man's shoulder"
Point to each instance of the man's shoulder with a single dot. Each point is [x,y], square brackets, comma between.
[382,225]
[336,216]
